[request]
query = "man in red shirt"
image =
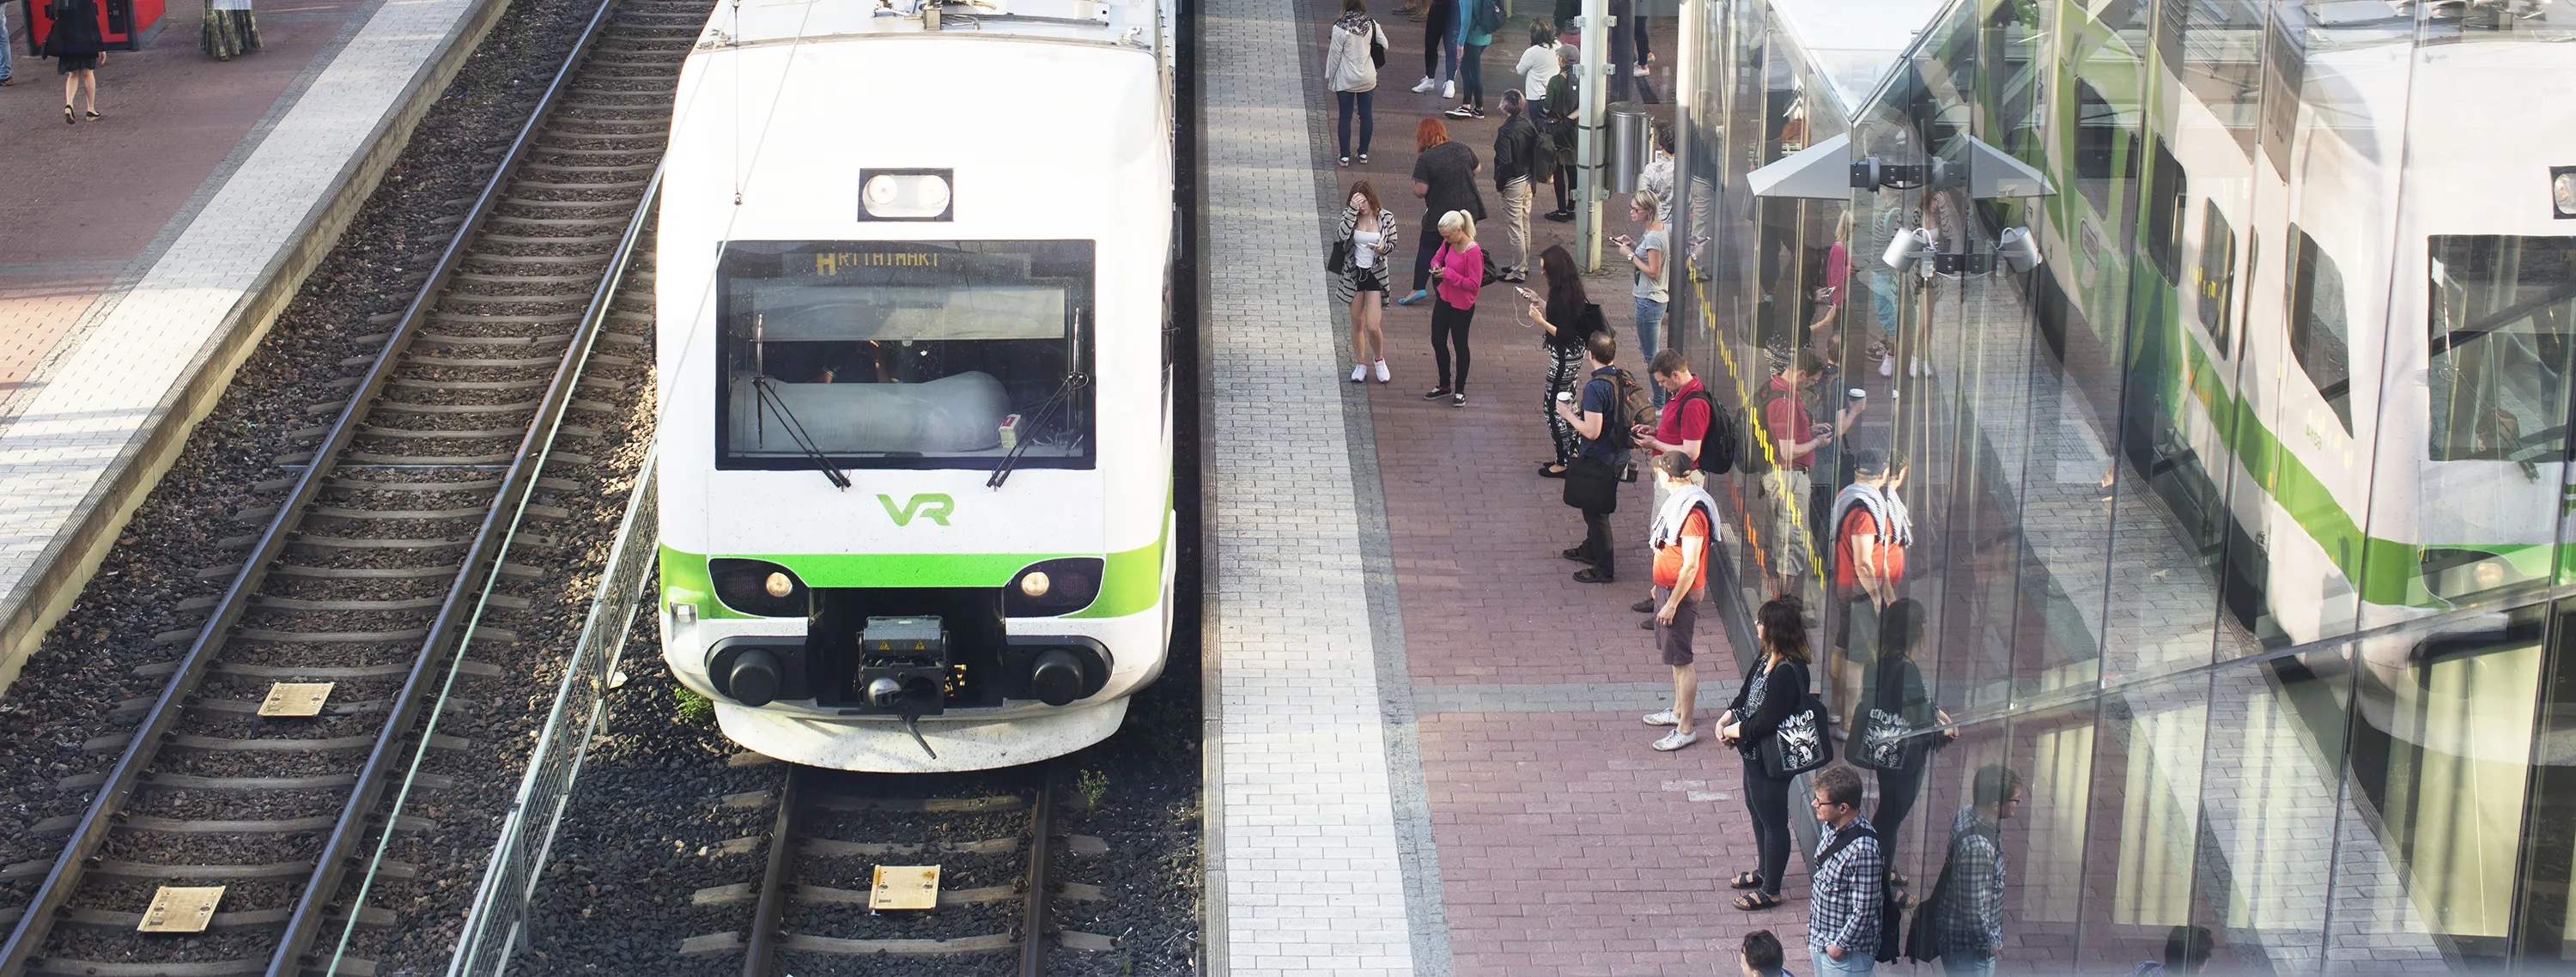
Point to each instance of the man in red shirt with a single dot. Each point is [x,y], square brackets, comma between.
[1794,439]
[1681,429]
[1680,540]
[1872,528]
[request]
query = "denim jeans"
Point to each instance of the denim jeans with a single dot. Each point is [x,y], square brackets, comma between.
[1882,294]
[1962,965]
[1650,334]
[5,68]
[1853,962]
[1347,103]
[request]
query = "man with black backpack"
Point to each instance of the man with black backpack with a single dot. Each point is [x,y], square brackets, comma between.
[1683,426]
[1611,406]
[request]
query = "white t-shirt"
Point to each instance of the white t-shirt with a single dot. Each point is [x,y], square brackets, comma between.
[1537,66]
[1364,241]
[1652,288]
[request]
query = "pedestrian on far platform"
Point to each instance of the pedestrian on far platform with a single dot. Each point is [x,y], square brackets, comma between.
[78,51]
[1598,462]
[1680,429]
[1516,164]
[1567,11]
[1850,879]
[1557,120]
[1370,230]
[1444,176]
[1570,318]
[1774,685]
[1459,264]
[1537,65]
[1679,538]
[1352,74]
[1439,39]
[1761,956]
[1648,257]
[1476,33]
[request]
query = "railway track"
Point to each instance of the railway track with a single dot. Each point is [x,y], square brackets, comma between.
[386,553]
[992,837]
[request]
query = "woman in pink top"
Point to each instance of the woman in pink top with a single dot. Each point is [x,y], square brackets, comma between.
[1458,266]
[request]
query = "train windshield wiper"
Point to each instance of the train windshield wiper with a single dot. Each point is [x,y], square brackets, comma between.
[1055,402]
[776,406]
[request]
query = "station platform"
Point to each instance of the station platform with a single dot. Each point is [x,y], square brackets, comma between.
[1426,754]
[150,250]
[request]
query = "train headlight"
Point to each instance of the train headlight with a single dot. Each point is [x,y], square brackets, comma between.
[759,587]
[904,195]
[779,585]
[1052,588]
[2562,192]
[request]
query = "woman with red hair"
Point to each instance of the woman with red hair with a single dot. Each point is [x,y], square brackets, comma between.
[1444,176]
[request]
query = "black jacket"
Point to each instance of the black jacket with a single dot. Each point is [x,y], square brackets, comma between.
[1785,690]
[75,28]
[1516,151]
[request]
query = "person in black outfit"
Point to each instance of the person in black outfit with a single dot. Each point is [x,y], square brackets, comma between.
[1570,318]
[77,50]
[1601,455]
[1556,116]
[1516,166]
[1896,686]
[1773,686]
[1444,176]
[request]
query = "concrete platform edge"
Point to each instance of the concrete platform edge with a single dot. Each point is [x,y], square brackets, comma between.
[74,555]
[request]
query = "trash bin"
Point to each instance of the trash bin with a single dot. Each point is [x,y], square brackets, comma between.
[1630,129]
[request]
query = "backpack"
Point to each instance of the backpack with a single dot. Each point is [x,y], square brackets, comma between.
[1724,441]
[1489,16]
[1630,405]
[1754,460]
[1542,165]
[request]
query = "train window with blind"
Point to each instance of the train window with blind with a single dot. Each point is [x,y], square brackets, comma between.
[2165,214]
[2214,282]
[2503,323]
[910,354]
[2320,333]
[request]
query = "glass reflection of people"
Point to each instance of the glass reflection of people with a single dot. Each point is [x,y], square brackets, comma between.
[1896,687]
[1872,529]
[1968,902]
[1796,436]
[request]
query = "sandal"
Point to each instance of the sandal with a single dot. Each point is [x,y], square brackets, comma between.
[1593,575]
[1551,470]
[1756,901]
[1746,880]
[1897,881]
[1574,553]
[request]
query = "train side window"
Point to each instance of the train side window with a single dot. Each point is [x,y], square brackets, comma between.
[2165,214]
[2320,336]
[2214,282]
[2099,129]
[2502,316]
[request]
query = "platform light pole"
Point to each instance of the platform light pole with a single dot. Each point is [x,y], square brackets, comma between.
[1592,96]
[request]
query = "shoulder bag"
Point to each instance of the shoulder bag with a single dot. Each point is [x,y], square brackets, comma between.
[1803,742]
[1339,260]
[1377,46]
[1592,486]
[1887,742]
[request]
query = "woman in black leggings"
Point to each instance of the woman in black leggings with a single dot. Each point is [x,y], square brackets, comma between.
[1896,686]
[1774,685]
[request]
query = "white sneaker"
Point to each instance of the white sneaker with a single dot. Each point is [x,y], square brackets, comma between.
[1917,368]
[1426,84]
[1676,740]
[1382,376]
[1664,718]
[1449,89]
[1887,366]
[1359,373]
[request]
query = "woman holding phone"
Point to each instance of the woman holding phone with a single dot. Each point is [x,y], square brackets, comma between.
[1645,254]
[1570,318]
[1457,271]
[1369,229]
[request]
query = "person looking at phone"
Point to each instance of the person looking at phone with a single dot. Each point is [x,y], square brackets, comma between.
[1370,229]
[1646,256]
[1680,428]
[1569,318]
[1793,438]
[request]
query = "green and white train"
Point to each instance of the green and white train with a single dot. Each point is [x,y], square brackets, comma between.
[916,439]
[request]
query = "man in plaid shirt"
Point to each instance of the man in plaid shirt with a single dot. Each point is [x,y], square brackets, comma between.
[1971,914]
[1843,916]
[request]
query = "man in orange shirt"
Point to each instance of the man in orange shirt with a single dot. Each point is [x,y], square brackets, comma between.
[1680,540]
[1872,528]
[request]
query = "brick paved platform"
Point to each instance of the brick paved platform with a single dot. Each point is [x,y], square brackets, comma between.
[149,249]
[1535,831]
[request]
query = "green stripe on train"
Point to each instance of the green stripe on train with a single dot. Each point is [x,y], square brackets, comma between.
[1131,582]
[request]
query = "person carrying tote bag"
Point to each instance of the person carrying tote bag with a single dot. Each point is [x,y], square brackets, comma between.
[1774,695]
[1890,739]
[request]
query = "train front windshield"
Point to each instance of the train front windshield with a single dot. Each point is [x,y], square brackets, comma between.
[863,354]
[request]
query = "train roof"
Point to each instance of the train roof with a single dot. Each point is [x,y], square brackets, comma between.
[750,23]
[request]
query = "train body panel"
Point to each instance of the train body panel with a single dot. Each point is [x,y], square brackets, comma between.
[883,263]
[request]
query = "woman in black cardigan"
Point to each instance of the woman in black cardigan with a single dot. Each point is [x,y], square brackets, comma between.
[1896,686]
[1775,685]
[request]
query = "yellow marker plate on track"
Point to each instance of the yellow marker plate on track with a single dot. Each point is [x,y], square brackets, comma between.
[905,887]
[296,699]
[181,909]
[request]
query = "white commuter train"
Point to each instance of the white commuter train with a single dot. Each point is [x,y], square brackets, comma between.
[916,433]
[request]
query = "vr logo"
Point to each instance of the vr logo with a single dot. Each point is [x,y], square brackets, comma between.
[933,506]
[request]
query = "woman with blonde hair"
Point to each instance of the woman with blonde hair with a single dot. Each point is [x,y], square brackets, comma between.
[1368,228]
[1458,268]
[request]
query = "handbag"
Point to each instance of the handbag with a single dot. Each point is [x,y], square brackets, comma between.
[1338,261]
[1377,47]
[1800,744]
[1592,486]
[1886,742]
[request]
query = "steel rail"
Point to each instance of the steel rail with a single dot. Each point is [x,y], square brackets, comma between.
[1041,879]
[53,896]
[761,944]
